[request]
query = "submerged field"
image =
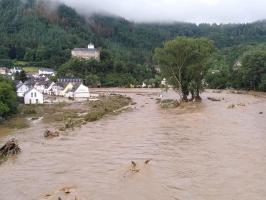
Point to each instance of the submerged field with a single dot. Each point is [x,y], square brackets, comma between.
[200,151]
[65,115]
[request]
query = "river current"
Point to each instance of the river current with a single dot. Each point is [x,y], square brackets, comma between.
[202,151]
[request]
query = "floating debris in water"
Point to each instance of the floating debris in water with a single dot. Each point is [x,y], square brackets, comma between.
[51,134]
[213,99]
[148,161]
[9,149]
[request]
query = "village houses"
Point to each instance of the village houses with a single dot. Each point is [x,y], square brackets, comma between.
[38,88]
[15,70]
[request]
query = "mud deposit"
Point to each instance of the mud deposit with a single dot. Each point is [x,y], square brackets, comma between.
[201,151]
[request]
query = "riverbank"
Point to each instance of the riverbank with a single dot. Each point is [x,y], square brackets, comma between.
[65,115]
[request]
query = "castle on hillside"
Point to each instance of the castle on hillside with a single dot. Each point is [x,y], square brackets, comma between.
[89,53]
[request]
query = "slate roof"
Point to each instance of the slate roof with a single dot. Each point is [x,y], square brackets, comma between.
[70,80]
[85,50]
[30,83]
[31,90]
[45,83]
[75,87]
[47,69]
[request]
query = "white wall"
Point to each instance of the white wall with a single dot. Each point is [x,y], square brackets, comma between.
[82,92]
[33,97]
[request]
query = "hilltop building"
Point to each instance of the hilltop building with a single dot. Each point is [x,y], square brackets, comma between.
[90,53]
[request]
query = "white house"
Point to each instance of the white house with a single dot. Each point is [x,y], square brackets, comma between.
[33,96]
[144,85]
[164,82]
[46,71]
[79,91]
[22,89]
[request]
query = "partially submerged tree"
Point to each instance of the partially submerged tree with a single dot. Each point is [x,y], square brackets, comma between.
[182,61]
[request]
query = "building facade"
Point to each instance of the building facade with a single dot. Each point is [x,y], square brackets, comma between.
[90,53]
[33,96]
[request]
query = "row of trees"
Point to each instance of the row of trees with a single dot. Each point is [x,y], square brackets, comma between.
[241,67]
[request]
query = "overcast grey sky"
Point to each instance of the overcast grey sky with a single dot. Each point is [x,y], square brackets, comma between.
[219,11]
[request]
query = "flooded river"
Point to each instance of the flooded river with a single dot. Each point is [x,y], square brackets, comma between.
[201,151]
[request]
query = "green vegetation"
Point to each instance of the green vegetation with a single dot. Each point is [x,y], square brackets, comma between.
[182,63]
[30,69]
[241,67]
[253,70]
[169,103]
[79,114]
[33,35]
[106,105]
[8,98]
[21,76]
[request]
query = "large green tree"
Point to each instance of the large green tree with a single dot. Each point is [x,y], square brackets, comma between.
[182,62]
[253,70]
[8,98]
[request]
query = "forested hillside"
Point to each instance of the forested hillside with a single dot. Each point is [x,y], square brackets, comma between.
[41,34]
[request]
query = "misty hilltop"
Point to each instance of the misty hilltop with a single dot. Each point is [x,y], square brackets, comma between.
[43,34]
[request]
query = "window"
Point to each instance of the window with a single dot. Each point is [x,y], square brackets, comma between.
[37,101]
[32,94]
[30,101]
[35,94]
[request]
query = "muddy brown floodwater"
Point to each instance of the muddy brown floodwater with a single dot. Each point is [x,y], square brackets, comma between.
[202,151]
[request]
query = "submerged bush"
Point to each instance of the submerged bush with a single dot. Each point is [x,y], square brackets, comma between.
[169,103]
[105,106]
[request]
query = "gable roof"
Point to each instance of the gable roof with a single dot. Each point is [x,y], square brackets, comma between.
[46,69]
[30,83]
[31,90]
[85,50]
[70,80]
[75,87]
[46,84]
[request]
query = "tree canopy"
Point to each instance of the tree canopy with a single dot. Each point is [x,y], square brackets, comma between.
[8,98]
[42,37]
[182,62]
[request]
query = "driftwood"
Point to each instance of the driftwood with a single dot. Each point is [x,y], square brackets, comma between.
[9,149]
[51,134]
[213,99]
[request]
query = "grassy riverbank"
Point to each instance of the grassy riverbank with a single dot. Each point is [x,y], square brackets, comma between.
[67,115]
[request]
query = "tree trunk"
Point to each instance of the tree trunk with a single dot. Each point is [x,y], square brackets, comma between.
[184,98]
[197,97]
[192,95]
